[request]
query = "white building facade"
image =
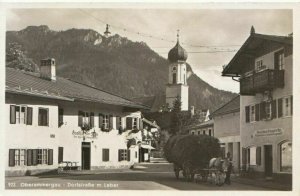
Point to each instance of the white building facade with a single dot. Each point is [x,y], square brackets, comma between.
[53,121]
[265,67]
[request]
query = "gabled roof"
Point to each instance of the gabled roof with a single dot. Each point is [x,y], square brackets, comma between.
[251,44]
[230,107]
[27,83]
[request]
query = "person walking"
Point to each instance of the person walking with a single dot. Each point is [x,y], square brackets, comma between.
[229,169]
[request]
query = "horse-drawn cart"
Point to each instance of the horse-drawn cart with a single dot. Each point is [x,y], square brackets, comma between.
[191,154]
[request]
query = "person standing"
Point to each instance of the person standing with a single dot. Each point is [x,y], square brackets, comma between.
[229,169]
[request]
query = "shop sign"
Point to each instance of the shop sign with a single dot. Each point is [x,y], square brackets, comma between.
[268,132]
[81,134]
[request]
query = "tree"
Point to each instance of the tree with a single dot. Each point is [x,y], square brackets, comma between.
[175,117]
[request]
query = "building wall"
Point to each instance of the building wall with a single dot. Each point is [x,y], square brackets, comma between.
[248,130]
[202,130]
[227,130]
[33,136]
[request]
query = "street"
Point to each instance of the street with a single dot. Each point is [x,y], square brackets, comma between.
[146,176]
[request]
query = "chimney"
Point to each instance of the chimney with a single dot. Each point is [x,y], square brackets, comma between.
[192,111]
[48,70]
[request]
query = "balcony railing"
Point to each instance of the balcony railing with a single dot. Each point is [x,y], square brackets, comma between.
[261,81]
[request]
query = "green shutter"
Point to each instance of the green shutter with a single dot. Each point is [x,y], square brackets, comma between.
[257,112]
[92,121]
[140,124]
[129,123]
[111,122]
[11,159]
[128,154]
[29,157]
[247,111]
[60,154]
[50,156]
[262,112]
[101,121]
[34,156]
[274,109]
[29,116]
[280,108]
[120,155]
[258,155]
[60,117]
[117,122]
[12,114]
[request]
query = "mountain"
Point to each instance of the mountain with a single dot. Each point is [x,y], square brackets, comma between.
[115,64]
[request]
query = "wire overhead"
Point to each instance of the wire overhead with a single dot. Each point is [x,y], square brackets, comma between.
[216,48]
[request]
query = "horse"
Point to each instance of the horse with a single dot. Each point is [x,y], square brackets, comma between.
[218,167]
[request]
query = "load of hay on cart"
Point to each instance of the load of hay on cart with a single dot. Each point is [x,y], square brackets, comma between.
[194,156]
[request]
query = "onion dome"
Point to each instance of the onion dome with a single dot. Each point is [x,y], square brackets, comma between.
[177,53]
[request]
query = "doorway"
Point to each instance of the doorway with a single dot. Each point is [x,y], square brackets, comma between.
[86,155]
[268,161]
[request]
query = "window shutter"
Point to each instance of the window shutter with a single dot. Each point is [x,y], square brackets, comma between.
[60,117]
[29,157]
[129,123]
[101,121]
[60,154]
[105,155]
[11,158]
[128,154]
[117,122]
[247,110]
[29,116]
[279,108]
[257,112]
[262,110]
[141,124]
[34,156]
[92,121]
[80,116]
[50,156]
[12,114]
[111,122]
[120,154]
[292,105]
[258,155]
[274,109]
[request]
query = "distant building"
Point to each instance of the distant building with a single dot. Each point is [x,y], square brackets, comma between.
[227,130]
[264,65]
[51,120]
[204,128]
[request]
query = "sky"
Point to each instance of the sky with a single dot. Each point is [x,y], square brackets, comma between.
[208,29]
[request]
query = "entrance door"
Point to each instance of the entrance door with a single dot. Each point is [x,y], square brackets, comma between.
[268,161]
[86,155]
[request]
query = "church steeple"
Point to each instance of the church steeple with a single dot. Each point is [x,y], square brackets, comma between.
[177,84]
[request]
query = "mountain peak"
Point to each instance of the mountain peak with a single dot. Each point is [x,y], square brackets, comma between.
[41,28]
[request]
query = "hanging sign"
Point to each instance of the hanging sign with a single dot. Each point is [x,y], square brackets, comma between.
[268,132]
[81,134]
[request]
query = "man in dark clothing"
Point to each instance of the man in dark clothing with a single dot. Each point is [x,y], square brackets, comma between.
[228,172]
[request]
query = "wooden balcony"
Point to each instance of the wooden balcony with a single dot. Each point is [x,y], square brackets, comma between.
[258,82]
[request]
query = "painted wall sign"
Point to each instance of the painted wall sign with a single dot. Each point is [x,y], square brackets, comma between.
[268,132]
[80,134]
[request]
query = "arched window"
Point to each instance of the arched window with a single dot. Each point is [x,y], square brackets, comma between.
[174,78]
[286,157]
[174,68]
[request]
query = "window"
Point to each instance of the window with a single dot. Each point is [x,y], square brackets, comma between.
[209,132]
[193,133]
[287,107]
[286,157]
[105,154]
[17,157]
[259,65]
[42,156]
[20,115]
[252,156]
[174,78]
[43,117]
[134,123]
[174,68]
[199,132]
[105,122]
[122,154]
[204,133]
[252,113]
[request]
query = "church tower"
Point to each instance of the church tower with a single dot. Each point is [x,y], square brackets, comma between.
[177,85]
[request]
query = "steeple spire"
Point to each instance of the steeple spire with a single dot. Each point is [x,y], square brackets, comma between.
[178,35]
